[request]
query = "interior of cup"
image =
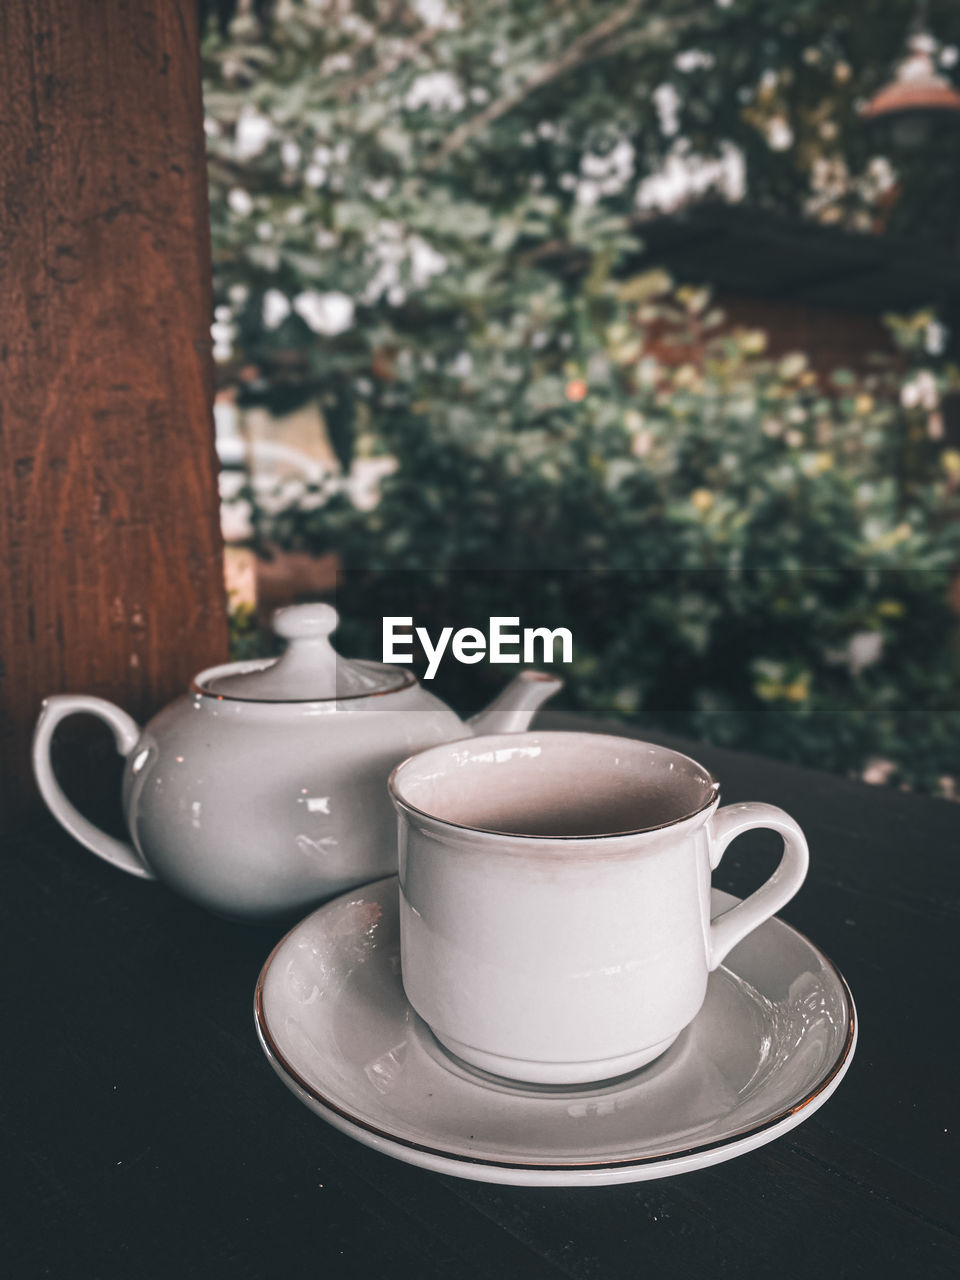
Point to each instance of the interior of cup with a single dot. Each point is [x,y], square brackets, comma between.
[554,785]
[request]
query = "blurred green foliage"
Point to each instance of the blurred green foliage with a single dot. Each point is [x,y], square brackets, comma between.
[382,173]
[742,554]
[428,223]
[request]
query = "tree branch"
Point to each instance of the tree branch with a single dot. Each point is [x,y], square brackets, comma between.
[590,44]
[410,49]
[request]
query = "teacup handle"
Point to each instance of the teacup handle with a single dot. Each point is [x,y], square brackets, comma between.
[723,828]
[126,733]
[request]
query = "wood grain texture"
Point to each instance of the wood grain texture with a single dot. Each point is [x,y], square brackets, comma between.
[111,577]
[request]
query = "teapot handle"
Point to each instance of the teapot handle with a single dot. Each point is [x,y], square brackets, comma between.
[127,734]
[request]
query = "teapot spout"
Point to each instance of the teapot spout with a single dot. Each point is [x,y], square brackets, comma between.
[513,709]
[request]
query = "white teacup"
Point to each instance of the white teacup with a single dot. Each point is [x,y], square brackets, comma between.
[555,898]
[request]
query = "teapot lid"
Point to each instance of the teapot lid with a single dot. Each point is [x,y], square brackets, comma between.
[309,669]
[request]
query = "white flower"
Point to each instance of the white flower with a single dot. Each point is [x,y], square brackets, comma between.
[667,101]
[276,308]
[357,26]
[383,279]
[438,90]
[337,62]
[920,391]
[878,772]
[684,175]
[609,173]
[363,483]
[425,261]
[222,335]
[779,134]
[863,650]
[327,313]
[692,59]
[880,174]
[290,154]
[935,338]
[235,518]
[593,165]
[240,201]
[254,131]
[437,15]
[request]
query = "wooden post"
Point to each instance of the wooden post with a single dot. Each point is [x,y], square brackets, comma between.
[110,550]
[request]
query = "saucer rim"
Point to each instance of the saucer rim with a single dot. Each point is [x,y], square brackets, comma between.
[703,1154]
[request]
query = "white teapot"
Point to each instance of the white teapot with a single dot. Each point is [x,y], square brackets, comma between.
[263,789]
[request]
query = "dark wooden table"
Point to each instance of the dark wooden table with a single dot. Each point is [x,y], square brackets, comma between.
[144,1135]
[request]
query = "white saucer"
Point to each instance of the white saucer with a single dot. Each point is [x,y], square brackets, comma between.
[773,1040]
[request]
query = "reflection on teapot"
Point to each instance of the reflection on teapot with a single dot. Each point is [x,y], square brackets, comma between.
[263,789]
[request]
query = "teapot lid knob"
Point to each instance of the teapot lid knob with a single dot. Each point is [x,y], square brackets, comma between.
[308,670]
[305,621]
